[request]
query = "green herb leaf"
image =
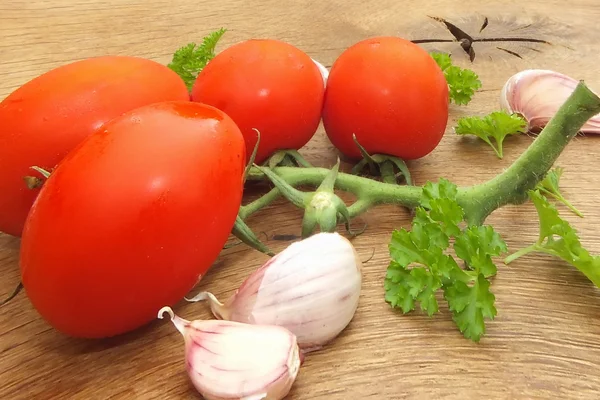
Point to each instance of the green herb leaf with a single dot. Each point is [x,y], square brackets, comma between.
[440,190]
[189,60]
[420,267]
[462,83]
[549,186]
[443,60]
[476,245]
[497,126]
[397,287]
[558,238]
[470,305]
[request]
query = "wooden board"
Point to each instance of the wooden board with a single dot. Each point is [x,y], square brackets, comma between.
[544,344]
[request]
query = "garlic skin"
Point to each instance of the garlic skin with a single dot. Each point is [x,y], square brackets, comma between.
[324,71]
[228,360]
[311,288]
[537,94]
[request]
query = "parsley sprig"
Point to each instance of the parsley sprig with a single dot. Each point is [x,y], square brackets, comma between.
[189,60]
[558,238]
[462,83]
[550,187]
[421,265]
[495,126]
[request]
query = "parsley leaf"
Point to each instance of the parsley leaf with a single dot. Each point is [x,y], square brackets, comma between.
[549,186]
[462,83]
[497,126]
[476,246]
[420,266]
[558,238]
[189,60]
[443,60]
[470,305]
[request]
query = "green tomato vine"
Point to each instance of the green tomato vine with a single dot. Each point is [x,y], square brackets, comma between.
[409,279]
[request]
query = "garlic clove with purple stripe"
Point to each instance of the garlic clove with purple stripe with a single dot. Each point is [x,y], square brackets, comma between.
[228,360]
[311,288]
[537,94]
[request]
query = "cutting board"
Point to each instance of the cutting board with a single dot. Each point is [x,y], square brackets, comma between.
[545,341]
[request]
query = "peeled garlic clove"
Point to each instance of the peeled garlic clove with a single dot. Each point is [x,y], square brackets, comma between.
[311,288]
[229,360]
[537,94]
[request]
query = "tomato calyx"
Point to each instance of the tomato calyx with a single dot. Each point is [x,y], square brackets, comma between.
[245,235]
[383,165]
[287,158]
[34,182]
[240,229]
[322,208]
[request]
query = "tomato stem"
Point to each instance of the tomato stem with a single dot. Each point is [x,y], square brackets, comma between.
[478,201]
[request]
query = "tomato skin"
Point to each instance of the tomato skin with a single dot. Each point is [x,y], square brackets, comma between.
[44,119]
[268,85]
[391,94]
[132,217]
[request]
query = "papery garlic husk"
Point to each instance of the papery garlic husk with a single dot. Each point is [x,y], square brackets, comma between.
[228,360]
[311,288]
[323,70]
[537,94]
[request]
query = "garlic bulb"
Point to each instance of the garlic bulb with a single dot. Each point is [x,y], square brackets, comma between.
[537,95]
[311,288]
[235,361]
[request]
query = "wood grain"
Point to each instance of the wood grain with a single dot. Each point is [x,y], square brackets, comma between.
[544,343]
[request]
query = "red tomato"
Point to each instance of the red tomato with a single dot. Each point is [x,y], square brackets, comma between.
[266,85]
[132,218]
[391,94]
[44,119]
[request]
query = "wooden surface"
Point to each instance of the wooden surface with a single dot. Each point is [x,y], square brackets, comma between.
[545,342]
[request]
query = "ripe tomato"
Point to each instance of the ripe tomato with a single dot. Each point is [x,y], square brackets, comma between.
[44,119]
[132,218]
[266,85]
[391,94]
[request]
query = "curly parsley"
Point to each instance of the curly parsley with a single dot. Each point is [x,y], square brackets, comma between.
[420,264]
[189,60]
[462,83]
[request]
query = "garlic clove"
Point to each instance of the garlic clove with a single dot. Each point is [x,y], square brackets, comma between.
[311,288]
[228,360]
[323,70]
[537,94]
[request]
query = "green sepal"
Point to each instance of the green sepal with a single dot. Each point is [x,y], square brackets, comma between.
[245,234]
[383,165]
[295,196]
[287,158]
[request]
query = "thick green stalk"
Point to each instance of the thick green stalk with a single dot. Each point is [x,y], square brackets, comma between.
[511,186]
[478,201]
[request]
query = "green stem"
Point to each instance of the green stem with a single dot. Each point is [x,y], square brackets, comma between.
[498,149]
[369,190]
[258,204]
[511,186]
[561,199]
[521,253]
[387,172]
[478,201]
[360,206]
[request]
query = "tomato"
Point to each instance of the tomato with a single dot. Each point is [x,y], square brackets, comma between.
[268,85]
[132,218]
[44,119]
[391,94]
